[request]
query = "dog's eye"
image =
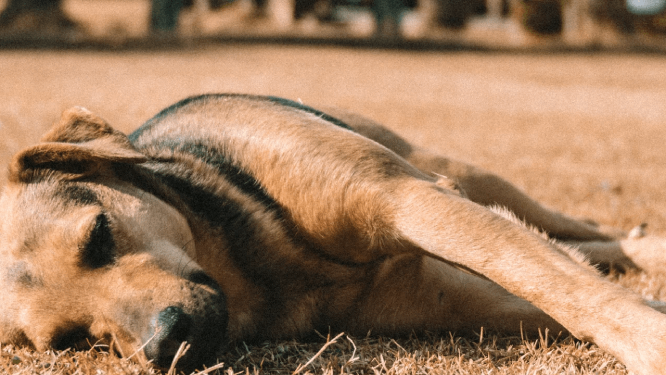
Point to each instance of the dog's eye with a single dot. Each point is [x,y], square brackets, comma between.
[98,249]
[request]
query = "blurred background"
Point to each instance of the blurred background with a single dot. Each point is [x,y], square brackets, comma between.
[486,23]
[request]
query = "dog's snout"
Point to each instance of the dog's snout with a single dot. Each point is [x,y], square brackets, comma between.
[171,327]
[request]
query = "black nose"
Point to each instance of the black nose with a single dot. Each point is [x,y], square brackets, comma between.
[171,327]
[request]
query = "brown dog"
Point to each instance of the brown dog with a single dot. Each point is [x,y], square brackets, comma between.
[231,217]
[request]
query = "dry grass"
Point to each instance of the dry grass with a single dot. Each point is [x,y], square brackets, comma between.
[583,133]
[431,354]
[427,354]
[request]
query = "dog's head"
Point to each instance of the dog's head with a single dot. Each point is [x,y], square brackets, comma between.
[86,256]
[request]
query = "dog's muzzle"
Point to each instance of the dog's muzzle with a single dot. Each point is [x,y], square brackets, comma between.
[204,332]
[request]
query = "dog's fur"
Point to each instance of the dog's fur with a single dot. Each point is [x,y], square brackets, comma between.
[233,217]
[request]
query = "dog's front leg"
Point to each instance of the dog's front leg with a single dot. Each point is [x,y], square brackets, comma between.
[591,308]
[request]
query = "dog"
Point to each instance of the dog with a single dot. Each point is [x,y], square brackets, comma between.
[229,218]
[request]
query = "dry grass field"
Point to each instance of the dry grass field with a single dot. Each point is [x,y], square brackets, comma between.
[585,134]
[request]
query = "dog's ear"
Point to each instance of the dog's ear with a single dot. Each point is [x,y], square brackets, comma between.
[79,125]
[80,144]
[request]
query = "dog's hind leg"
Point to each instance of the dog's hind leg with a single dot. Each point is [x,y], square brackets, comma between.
[479,185]
[488,189]
[602,246]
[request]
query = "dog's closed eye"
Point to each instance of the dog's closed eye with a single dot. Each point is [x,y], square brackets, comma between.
[98,250]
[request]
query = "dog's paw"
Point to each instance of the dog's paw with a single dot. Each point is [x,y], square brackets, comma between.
[638,231]
[645,251]
[449,184]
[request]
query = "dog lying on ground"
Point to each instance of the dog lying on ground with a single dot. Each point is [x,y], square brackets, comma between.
[234,217]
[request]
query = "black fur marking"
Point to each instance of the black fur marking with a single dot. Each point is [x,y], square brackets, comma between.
[39,170]
[134,136]
[303,107]
[99,249]
[212,156]
[77,194]
[236,226]
[153,182]
[231,173]
[224,214]
[20,274]
[202,278]
[195,99]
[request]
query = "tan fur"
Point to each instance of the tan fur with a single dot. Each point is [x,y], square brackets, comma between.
[355,231]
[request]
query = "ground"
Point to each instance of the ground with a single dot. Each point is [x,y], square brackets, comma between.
[583,133]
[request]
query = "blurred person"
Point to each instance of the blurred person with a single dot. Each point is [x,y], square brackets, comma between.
[387,18]
[322,10]
[164,16]
[542,16]
[453,14]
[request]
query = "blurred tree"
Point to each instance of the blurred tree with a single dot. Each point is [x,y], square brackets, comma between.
[36,15]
